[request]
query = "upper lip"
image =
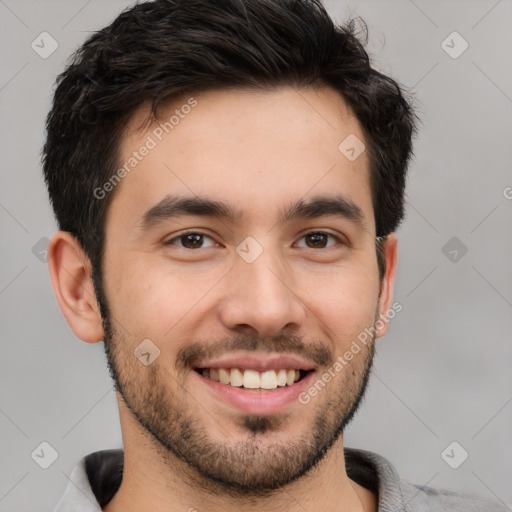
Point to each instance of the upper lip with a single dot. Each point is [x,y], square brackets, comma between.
[258,363]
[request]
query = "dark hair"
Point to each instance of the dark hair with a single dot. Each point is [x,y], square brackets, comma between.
[159,50]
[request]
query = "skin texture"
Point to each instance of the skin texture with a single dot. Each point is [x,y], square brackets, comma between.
[260,152]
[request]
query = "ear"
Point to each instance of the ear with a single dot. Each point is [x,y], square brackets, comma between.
[70,273]
[390,248]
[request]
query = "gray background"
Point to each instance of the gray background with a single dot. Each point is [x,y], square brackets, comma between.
[443,372]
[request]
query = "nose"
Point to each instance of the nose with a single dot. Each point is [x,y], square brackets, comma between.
[260,298]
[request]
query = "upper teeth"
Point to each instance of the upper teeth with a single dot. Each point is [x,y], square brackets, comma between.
[252,379]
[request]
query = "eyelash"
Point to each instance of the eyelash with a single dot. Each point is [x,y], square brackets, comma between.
[171,240]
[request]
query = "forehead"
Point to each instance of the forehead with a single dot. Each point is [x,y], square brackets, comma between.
[253,149]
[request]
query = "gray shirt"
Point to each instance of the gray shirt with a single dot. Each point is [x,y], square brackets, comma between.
[97,477]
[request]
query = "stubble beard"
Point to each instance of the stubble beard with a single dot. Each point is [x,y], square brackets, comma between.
[252,466]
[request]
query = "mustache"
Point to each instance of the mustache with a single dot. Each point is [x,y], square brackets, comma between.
[315,352]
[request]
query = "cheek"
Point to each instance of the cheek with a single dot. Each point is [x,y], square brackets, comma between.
[348,314]
[346,302]
[154,302]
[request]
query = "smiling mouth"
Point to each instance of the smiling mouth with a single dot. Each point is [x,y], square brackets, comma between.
[249,379]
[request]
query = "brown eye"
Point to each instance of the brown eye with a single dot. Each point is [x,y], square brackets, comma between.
[319,240]
[191,240]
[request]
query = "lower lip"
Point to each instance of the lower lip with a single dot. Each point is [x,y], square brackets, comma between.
[260,402]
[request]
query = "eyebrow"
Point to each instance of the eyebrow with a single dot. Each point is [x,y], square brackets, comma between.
[177,206]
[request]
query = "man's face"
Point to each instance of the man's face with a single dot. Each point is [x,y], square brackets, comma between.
[300,287]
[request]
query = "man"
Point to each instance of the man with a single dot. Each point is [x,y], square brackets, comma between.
[228,178]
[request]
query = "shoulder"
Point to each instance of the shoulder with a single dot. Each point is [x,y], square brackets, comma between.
[418,498]
[396,494]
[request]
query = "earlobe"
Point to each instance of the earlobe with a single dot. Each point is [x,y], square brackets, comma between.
[70,274]
[390,249]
